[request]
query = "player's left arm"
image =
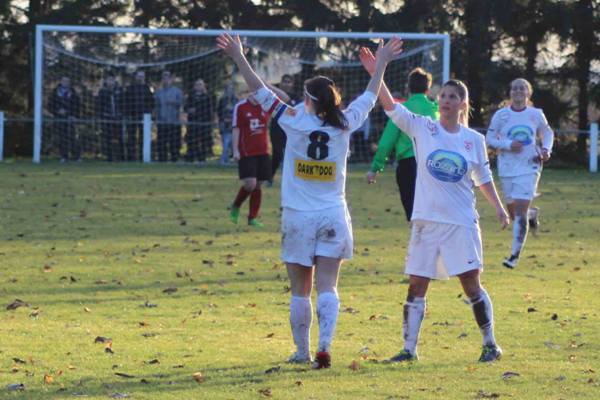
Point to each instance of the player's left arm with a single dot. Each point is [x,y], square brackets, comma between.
[482,177]
[547,135]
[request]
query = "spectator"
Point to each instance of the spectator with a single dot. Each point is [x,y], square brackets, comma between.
[138,100]
[199,115]
[168,102]
[64,105]
[109,109]
[278,138]
[225,113]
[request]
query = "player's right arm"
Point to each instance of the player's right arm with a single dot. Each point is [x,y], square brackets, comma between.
[494,137]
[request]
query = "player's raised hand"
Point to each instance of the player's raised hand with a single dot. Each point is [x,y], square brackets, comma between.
[390,50]
[231,45]
[367,59]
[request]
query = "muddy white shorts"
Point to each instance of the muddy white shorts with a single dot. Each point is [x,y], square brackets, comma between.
[522,187]
[306,234]
[438,250]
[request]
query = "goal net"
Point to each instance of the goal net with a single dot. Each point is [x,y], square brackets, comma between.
[136,94]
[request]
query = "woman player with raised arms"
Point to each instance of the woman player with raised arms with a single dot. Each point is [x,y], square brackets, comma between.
[316,227]
[445,238]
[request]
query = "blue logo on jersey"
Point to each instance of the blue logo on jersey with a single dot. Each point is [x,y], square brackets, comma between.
[447,166]
[521,133]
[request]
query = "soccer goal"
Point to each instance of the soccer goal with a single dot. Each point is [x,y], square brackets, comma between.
[164,95]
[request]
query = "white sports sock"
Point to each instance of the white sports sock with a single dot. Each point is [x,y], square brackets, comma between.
[520,229]
[484,315]
[414,312]
[300,321]
[328,308]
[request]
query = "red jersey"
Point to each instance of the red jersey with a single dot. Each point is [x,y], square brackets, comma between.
[252,121]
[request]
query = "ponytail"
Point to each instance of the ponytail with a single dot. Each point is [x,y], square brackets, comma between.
[327,100]
[463,92]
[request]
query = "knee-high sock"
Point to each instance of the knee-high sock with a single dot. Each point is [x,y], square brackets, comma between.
[255,198]
[300,321]
[484,315]
[241,197]
[328,308]
[414,312]
[520,229]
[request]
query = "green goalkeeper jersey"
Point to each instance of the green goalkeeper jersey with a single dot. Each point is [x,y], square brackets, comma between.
[394,138]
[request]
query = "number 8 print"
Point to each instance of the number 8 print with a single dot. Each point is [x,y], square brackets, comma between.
[317,149]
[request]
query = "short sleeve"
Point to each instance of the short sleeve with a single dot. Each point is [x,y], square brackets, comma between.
[359,109]
[481,173]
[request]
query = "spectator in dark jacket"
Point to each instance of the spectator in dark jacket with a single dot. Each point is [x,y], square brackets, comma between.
[109,109]
[225,113]
[199,109]
[138,100]
[64,106]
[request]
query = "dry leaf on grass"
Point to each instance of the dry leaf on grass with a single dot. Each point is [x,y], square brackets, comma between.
[354,365]
[16,304]
[198,377]
[123,375]
[266,392]
[48,379]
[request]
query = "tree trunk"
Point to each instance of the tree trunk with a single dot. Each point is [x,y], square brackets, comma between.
[583,32]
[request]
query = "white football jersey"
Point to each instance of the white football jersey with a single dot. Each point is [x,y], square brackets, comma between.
[526,126]
[314,163]
[448,167]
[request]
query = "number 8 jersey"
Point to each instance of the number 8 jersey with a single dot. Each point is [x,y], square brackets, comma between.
[314,164]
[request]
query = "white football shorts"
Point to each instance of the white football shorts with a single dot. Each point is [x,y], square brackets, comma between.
[437,250]
[522,187]
[306,234]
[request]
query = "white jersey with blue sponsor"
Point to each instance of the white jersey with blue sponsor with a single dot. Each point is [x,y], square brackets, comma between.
[528,126]
[449,165]
[314,163]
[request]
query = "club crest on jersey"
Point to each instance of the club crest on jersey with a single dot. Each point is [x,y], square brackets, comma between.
[468,145]
[432,127]
[447,166]
[521,133]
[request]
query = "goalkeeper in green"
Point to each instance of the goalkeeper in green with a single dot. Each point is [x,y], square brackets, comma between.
[419,83]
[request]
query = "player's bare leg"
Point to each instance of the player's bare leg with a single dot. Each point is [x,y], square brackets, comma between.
[328,306]
[484,314]
[301,278]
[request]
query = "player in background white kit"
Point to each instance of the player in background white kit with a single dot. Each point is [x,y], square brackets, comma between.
[445,238]
[316,227]
[515,131]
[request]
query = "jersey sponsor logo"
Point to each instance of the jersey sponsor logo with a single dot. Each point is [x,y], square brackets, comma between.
[520,133]
[322,171]
[447,166]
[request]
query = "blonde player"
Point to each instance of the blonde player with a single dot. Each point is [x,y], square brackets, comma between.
[316,226]
[515,131]
[445,238]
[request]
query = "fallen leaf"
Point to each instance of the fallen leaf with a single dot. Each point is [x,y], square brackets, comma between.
[198,377]
[101,282]
[119,396]
[153,361]
[265,392]
[554,317]
[143,323]
[270,335]
[170,290]
[19,361]
[272,370]
[510,374]
[109,350]
[48,379]
[122,375]
[354,365]
[298,383]
[15,386]
[149,305]
[102,339]
[486,395]
[47,268]
[86,309]
[531,309]
[16,304]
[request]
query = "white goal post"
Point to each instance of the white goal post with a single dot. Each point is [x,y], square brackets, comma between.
[54,43]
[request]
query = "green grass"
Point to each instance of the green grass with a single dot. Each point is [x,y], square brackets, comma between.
[126,233]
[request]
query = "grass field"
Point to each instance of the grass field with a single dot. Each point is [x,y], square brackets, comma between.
[145,256]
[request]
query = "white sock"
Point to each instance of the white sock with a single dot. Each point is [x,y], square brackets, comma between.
[484,315]
[300,321]
[328,308]
[414,312]
[520,229]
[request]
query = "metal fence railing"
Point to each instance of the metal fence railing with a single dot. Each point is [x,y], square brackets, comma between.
[16,138]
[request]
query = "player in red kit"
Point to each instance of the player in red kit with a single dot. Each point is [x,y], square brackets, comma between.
[251,148]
